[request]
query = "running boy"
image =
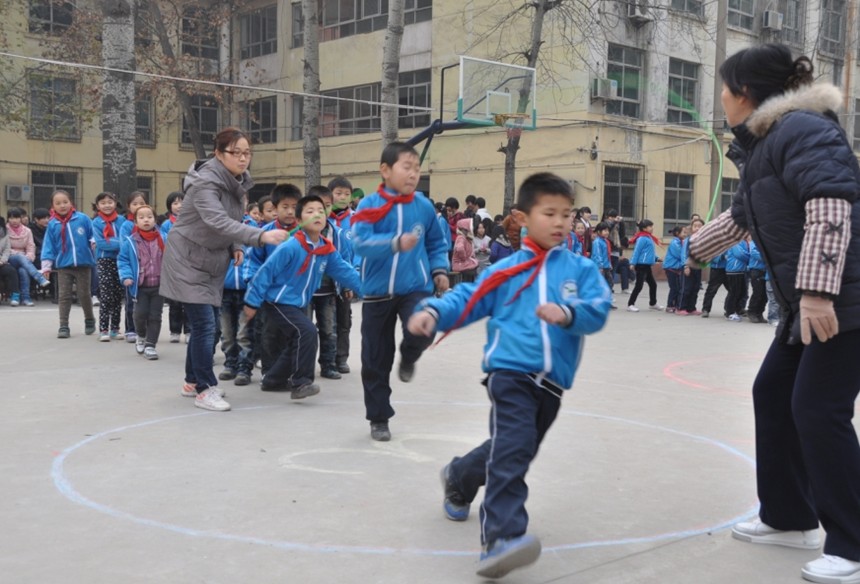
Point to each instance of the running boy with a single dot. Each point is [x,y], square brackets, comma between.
[541,301]
[403,258]
[286,283]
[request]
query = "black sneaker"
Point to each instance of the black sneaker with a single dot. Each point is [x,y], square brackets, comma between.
[330,373]
[306,390]
[227,375]
[379,431]
[271,386]
[342,368]
[406,371]
[64,332]
[455,505]
[89,326]
[242,378]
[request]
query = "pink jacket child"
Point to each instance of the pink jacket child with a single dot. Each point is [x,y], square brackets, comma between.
[463,259]
[23,253]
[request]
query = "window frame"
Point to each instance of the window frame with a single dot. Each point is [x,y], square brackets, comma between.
[264,23]
[620,71]
[260,134]
[832,47]
[194,19]
[39,131]
[676,114]
[689,7]
[48,187]
[727,194]
[792,32]
[206,136]
[411,85]
[360,17]
[144,99]
[364,119]
[677,189]
[740,19]
[627,210]
[51,24]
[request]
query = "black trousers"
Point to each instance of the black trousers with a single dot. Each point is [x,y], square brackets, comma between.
[522,413]
[808,457]
[690,286]
[148,308]
[758,300]
[737,285]
[343,317]
[715,280]
[378,320]
[293,336]
[644,274]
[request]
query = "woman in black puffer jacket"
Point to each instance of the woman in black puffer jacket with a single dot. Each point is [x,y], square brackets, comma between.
[800,200]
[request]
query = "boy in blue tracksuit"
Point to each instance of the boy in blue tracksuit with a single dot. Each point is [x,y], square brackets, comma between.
[67,249]
[286,283]
[341,215]
[541,301]
[758,277]
[673,265]
[737,264]
[237,340]
[403,258]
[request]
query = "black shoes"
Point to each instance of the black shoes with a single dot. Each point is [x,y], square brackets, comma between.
[342,368]
[89,326]
[455,505]
[330,373]
[406,371]
[306,390]
[379,431]
[227,375]
[242,378]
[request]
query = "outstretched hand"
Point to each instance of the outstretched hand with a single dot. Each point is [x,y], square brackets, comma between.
[274,236]
[551,313]
[421,324]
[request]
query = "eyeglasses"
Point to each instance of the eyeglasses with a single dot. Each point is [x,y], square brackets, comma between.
[240,155]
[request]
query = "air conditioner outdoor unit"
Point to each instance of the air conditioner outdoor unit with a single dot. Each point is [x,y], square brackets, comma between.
[637,13]
[18,193]
[772,20]
[604,89]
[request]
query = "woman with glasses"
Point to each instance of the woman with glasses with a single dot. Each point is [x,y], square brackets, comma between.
[207,236]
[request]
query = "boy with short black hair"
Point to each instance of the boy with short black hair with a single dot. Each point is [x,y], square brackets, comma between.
[541,301]
[341,214]
[404,257]
[285,284]
[267,210]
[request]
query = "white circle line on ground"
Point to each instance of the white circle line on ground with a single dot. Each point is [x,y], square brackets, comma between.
[65,487]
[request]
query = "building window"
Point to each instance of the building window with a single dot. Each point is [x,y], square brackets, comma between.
[620,187]
[415,92]
[50,16]
[261,119]
[728,188]
[343,18]
[53,107]
[297,35]
[296,118]
[683,92]
[207,114]
[677,201]
[792,21]
[144,117]
[45,182]
[347,118]
[742,13]
[624,65]
[144,185]
[832,27]
[259,190]
[199,35]
[695,7]
[259,32]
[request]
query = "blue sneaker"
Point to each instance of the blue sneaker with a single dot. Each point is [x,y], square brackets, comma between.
[455,506]
[504,555]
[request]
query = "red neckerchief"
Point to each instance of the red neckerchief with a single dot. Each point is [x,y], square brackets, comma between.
[154,235]
[279,225]
[377,213]
[645,234]
[326,248]
[108,231]
[171,217]
[64,221]
[130,217]
[339,217]
[501,276]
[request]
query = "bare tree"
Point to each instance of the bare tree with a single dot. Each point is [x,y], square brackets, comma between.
[311,86]
[391,71]
[119,154]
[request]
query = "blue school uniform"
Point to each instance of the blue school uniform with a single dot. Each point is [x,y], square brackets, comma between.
[738,258]
[674,259]
[107,248]
[79,234]
[128,264]
[644,253]
[257,256]
[600,253]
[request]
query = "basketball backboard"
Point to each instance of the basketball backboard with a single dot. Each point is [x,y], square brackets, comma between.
[496,94]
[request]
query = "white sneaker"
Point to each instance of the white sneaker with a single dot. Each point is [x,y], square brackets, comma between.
[95,300]
[190,390]
[632,308]
[211,400]
[150,353]
[657,307]
[174,337]
[759,532]
[104,337]
[140,345]
[734,317]
[832,570]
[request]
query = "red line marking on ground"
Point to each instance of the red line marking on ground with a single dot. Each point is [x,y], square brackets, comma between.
[670,371]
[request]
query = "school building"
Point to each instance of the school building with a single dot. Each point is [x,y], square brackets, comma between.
[625,106]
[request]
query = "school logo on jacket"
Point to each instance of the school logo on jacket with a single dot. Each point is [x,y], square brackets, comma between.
[417,230]
[81,231]
[568,290]
[322,267]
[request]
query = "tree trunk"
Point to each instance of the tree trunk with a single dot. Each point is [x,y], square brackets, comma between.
[119,146]
[541,7]
[391,71]
[181,95]
[311,86]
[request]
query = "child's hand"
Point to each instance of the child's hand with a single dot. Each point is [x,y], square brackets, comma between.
[686,270]
[127,282]
[238,257]
[250,312]
[421,324]
[407,241]
[441,282]
[551,313]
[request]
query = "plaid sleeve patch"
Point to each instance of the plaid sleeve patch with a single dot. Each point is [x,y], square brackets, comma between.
[825,245]
[715,238]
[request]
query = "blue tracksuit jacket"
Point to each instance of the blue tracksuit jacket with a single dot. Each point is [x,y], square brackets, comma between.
[644,253]
[256,256]
[756,261]
[516,339]
[278,281]
[599,253]
[738,258]
[385,272]
[128,264]
[79,234]
[674,259]
[105,248]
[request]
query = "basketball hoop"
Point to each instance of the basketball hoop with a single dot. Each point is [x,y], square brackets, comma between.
[512,123]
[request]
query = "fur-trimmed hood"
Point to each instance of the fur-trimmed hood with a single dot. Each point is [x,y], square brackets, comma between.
[821,97]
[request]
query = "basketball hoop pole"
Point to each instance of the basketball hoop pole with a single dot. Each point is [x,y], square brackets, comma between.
[437,126]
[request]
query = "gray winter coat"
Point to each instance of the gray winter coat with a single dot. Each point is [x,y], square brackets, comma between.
[201,243]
